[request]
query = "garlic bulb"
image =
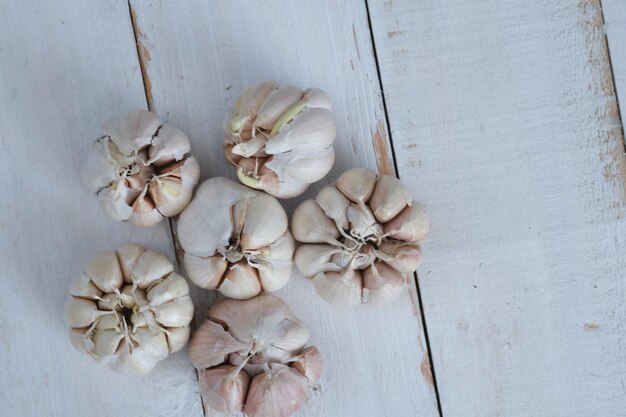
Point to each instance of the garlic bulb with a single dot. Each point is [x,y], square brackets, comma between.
[129,309]
[362,238]
[235,240]
[251,357]
[139,169]
[281,138]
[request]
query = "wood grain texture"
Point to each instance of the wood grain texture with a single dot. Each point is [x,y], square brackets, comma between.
[65,67]
[505,123]
[614,12]
[199,57]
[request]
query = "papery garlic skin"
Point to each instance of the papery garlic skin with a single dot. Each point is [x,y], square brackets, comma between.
[129,309]
[140,169]
[252,357]
[280,138]
[235,240]
[362,238]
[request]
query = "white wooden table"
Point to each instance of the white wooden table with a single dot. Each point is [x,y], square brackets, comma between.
[502,117]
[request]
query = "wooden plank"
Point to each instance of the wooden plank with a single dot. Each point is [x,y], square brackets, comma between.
[198,58]
[614,13]
[505,123]
[65,67]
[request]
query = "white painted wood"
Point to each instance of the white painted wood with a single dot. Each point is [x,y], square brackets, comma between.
[614,12]
[505,124]
[199,55]
[65,67]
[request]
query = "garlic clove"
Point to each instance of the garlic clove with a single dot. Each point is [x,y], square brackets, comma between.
[115,200]
[357,184]
[80,312]
[127,256]
[381,284]
[288,336]
[152,348]
[145,213]
[169,145]
[252,147]
[309,364]
[224,388]
[211,344]
[108,321]
[247,106]
[205,224]
[82,286]
[334,204]
[240,282]
[313,259]
[362,222]
[318,99]
[104,271]
[109,301]
[106,342]
[265,222]
[100,168]
[277,394]
[178,312]
[309,224]
[310,168]
[270,183]
[150,267]
[242,316]
[341,288]
[172,287]
[411,225]
[275,104]
[205,272]
[390,197]
[171,194]
[132,131]
[402,256]
[177,337]
[274,264]
[313,129]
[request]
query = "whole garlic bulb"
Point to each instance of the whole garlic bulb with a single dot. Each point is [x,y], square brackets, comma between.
[235,240]
[362,238]
[281,138]
[251,357]
[140,169]
[129,309]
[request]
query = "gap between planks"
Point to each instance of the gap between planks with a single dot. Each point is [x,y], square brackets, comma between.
[611,71]
[427,368]
[143,56]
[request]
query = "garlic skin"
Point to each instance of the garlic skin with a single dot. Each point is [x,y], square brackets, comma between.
[252,357]
[362,238]
[280,138]
[129,309]
[140,169]
[235,240]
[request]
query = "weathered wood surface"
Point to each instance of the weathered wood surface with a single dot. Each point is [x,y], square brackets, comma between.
[65,67]
[504,119]
[198,58]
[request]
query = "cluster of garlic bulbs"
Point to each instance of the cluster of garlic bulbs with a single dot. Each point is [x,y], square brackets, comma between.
[281,138]
[235,240]
[129,309]
[362,238]
[252,357]
[139,169]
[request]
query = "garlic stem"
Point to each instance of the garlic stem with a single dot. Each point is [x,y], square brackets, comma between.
[288,115]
